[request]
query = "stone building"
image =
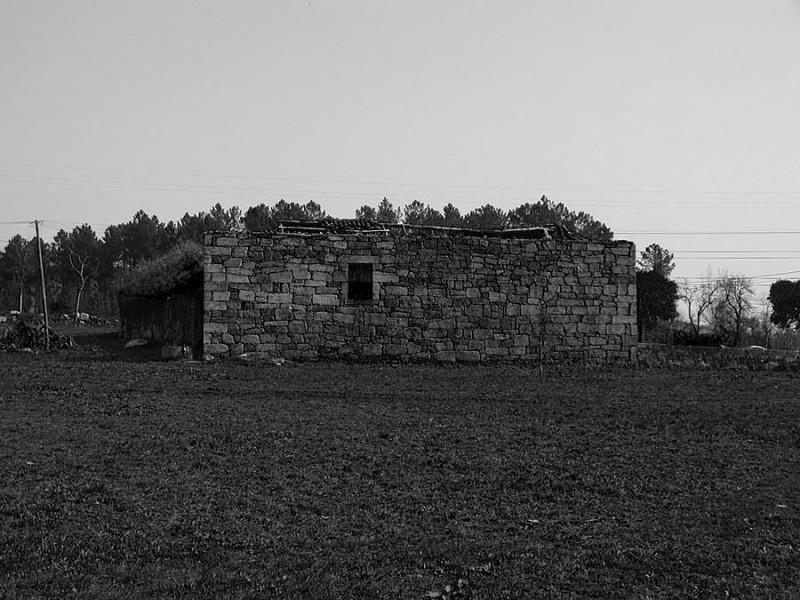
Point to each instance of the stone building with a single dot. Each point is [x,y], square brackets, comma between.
[354,290]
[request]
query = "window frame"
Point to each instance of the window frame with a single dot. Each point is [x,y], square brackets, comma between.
[343,275]
[360,281]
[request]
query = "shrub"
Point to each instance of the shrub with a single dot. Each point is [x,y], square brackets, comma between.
[689,338]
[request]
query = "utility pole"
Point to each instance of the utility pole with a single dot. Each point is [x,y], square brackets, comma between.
[44,289]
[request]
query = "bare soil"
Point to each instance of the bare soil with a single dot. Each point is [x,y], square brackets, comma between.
[126,477]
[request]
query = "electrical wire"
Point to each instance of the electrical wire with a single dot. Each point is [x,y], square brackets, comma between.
[751,232]
[523,195]
[708,255]
[679,257]
[411,184]
[682,252]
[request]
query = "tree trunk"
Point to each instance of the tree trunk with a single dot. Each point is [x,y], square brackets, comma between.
[738,334]
[78,302]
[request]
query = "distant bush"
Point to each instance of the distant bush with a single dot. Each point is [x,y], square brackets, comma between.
[179,270]
[689,338]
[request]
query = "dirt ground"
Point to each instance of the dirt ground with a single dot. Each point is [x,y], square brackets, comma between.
[129,477]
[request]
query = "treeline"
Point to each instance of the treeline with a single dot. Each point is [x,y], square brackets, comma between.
[722,308]
[85,270]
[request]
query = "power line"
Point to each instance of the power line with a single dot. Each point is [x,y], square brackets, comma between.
[763,276]
[682,252]
[55,225]
[762,232]
[415,184]
[736,257]
[522,196]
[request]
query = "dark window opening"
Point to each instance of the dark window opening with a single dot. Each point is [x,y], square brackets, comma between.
[359,281]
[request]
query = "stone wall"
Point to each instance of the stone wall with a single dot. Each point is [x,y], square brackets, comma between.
[435,296]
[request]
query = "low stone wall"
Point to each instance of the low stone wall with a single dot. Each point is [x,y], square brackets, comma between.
[667,356]
[435,296]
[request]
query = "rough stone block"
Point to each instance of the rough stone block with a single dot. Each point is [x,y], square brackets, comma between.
[281,276]
[396,290]
[343,318]
[297,327]
[209,328]
[216,349]
[468,356]
[320,268]
[325,299]
[279,298]
[375,319]
[384,277]
[626,319]
[495,352]
[211,305]
[283,314]
[371,350]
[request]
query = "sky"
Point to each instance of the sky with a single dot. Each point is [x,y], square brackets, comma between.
[676,123]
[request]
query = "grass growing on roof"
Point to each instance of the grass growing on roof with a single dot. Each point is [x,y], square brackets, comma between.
[180,269]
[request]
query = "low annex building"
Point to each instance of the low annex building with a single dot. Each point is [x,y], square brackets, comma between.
[348,289]
[162,301]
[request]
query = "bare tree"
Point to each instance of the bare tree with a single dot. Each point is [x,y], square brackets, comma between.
[78,254]
[699,298]
[764,321]
[733,305]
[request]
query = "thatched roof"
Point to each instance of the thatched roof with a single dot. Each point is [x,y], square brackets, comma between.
[178,271]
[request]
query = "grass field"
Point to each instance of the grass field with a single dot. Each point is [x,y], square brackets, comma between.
[125,479]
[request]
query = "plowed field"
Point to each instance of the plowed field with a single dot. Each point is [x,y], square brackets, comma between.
[149,479]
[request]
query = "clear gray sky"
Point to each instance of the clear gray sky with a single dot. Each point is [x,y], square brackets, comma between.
[663,117]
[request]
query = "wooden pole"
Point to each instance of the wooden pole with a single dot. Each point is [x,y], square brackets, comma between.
[44,289]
